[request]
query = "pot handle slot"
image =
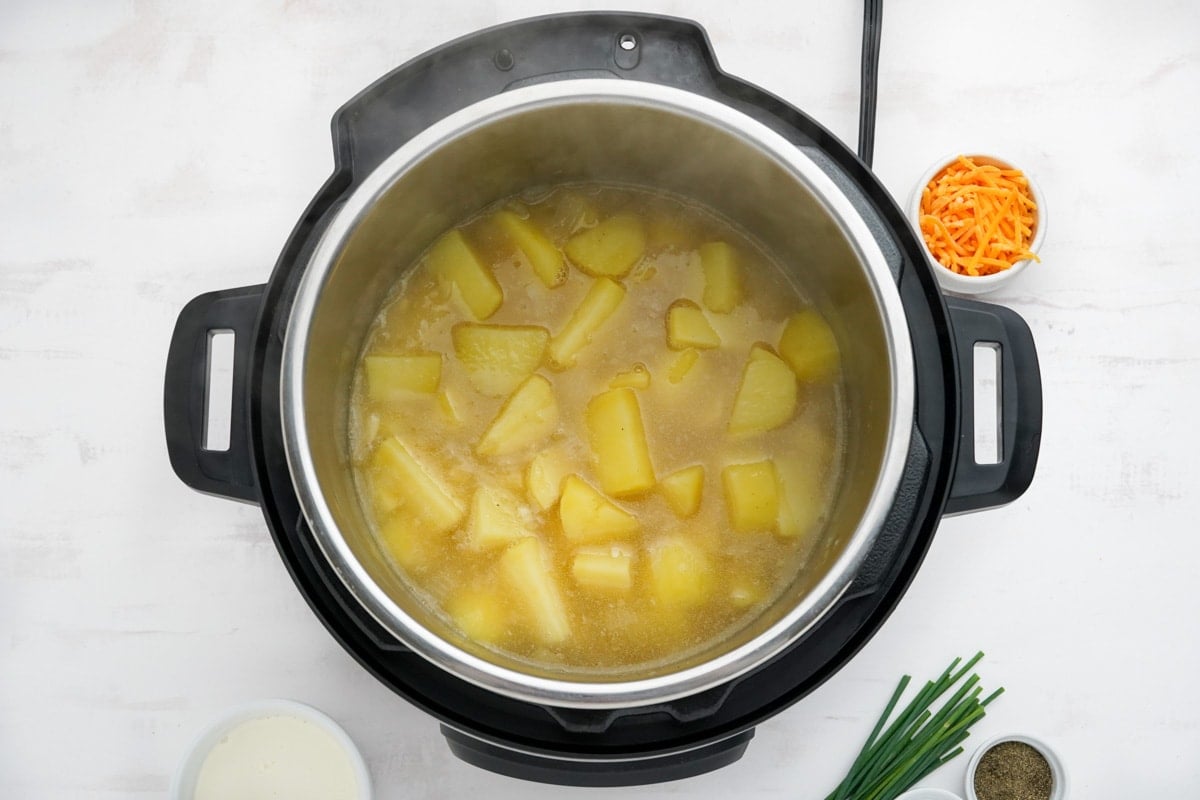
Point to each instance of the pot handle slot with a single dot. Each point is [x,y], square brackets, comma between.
[228,472]
[977,486]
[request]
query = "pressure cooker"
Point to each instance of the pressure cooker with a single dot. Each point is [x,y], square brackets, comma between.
[637,100]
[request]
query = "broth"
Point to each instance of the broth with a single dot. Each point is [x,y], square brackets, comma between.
[597,427]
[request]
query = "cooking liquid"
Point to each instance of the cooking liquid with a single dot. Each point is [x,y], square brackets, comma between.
[685,422]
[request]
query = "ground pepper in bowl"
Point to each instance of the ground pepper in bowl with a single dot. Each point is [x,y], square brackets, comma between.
[1013,771]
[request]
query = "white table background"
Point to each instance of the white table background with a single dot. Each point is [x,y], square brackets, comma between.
[151,151]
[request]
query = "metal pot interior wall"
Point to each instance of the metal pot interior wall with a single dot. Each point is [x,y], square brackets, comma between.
[586,140]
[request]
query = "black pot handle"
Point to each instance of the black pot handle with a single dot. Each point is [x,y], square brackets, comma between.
[979,486]
[597,772]
[646,47]
[226,473]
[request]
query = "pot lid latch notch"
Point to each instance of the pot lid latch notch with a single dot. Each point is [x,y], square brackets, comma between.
[627,50]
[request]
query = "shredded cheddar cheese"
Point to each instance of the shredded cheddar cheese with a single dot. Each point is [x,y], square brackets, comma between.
[978,219]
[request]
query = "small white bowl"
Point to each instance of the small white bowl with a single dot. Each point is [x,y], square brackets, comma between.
[968,284]
[1060,783]
[928,794]
[183,784]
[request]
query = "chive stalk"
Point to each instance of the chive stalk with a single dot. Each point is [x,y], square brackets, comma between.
[920,739]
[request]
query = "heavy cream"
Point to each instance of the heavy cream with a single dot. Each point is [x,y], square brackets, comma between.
[277,758]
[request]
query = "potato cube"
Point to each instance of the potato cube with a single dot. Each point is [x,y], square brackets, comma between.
[636,377]
[392,425]
[392,377]
[801,498]
[682,365]
[681,573]
[607,568]
[498,358]
[418,489]
[495,519]
[688,327]
[597,306]
[481,615]
[683,490]
[610,249]
[722,282]
[386,494]
[544,257]
[618,440]
[526,418]
[766,397]
[809,347]
[454,262]
[588,516]
[746,590]
[410,543]
[529,574]
[752,495]
[544,477]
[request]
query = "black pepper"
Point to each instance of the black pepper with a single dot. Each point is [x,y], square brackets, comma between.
[1013,771]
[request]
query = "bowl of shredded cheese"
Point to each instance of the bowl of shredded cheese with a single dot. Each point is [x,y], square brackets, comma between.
[982,220]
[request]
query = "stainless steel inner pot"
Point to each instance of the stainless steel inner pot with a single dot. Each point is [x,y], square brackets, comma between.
[624,132]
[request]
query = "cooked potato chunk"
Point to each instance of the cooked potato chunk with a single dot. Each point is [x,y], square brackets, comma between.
[597,306]
[454,262]
[603,568]
[495,519]
[682,365]
[610,249]
[809,347]
[618,440]
[499,357]
[722,282]
[390,378]
[745,590]
[688,327]
[526,418]
[527,569]
[683,490]
[386,494]
[418,489]
[544,257]
[481,615]
[544,477]
[411,543]
[766,397]
[801,497]
[637,377]
[752,495]
[588,516]
[681,573]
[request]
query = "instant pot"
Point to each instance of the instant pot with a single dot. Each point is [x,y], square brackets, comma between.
[628,99]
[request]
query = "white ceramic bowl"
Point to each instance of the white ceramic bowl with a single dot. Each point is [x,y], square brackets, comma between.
[183,784]
[967,284]
[1058,772]
[928,794]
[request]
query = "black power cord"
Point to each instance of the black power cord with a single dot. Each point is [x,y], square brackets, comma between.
[869,90]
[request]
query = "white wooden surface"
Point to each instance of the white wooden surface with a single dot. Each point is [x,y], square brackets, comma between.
[151,151]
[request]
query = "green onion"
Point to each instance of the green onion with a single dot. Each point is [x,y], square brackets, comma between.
[919,740]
